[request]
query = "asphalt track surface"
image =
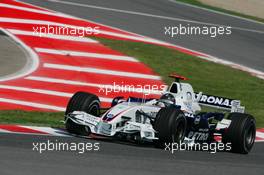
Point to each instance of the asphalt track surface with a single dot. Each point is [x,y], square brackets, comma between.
[18,157]
[244,46]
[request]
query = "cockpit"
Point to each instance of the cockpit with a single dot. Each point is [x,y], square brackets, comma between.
[168,98]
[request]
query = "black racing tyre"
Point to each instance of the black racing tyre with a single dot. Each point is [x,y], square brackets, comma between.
[74,128]
[83,101]
[170,124]
[241,133]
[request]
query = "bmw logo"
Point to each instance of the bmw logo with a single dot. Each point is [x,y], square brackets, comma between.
[110,116]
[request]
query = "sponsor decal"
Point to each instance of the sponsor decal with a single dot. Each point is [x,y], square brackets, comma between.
[201,136]
[215,101]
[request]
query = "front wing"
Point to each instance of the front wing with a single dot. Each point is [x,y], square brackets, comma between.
[98,126]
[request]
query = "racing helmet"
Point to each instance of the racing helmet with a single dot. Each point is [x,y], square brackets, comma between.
[168,98]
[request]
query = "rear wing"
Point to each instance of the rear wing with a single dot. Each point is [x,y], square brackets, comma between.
[224,103]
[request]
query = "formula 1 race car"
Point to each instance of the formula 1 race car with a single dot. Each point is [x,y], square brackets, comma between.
[173,118]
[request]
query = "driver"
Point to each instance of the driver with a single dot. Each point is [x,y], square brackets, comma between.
[166,100]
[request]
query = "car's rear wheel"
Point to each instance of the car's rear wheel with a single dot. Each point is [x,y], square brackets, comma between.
[170,125]
[241,133]
[82,101]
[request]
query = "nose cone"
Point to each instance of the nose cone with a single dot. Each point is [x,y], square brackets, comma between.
[115,112]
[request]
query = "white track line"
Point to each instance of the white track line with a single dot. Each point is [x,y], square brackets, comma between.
[5,131]
[49,130]
[149,15]
[147,39]
[26,133]
[51,13]
[26,9]
[32,62]
[260,134]
[101,71]
[100,86]
[51,23]
[253,72]
[53,36]
[40,91]
[31,104]
[214,11]
[46,92]
[86,54]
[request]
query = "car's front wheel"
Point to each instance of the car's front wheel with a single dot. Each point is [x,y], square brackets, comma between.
[81,101]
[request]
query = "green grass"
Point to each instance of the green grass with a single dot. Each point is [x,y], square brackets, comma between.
[32,118]
[200,4]
[204,76]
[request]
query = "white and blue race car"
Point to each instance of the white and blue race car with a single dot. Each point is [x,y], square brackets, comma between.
[173,118]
